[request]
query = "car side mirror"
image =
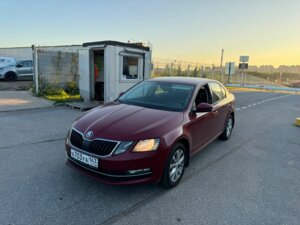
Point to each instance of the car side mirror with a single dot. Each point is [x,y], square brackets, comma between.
[204,107]
[120,94]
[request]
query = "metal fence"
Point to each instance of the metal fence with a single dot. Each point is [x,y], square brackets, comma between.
[55,67]
[173,67]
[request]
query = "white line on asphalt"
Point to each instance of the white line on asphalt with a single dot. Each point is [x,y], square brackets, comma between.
[258,103]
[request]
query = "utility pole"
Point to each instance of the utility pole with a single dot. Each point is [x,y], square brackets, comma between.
[221,65]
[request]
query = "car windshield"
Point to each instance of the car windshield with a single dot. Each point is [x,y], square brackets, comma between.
[159,95]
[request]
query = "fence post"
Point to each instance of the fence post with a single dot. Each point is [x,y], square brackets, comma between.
[195,71]
[36,70]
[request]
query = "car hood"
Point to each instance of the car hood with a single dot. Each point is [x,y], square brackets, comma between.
[118,121]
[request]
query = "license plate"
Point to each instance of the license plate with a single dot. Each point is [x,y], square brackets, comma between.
[86,159]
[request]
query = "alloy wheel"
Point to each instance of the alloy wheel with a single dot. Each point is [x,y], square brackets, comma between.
[176,165]
[229,127]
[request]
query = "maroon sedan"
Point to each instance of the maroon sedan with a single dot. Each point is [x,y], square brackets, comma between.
[150,132]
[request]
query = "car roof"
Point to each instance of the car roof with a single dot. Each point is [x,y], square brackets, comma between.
[184,80]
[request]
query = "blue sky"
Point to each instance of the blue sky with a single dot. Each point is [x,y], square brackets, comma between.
[266,30]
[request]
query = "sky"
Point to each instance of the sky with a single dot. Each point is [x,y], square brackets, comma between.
[193,30]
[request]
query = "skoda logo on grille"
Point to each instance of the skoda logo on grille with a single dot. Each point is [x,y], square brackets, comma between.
[89,134]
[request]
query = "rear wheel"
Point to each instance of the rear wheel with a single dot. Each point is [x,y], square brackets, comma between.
[228,129]
[10,76]
[174,167]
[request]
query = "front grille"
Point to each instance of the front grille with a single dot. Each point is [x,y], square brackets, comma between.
[97,147]
[102,147]
[76,139]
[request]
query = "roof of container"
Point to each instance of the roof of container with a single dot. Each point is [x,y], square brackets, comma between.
[116,43]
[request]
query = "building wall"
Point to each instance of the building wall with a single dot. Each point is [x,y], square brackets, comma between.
[26,52]
[18,53]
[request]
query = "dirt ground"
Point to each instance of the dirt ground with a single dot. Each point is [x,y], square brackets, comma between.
[15,85]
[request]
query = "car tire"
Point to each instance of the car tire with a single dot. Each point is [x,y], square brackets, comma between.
[228,129]
[10,76]
[174,168]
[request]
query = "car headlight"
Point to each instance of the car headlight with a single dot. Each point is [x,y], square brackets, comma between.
[146,145]
[123,146]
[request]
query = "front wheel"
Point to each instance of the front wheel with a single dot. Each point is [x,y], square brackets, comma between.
[228,129]
[174,167]
[10,76]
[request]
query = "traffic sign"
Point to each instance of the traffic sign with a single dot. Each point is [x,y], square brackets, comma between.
[244,58]
[229,68]
[243,66]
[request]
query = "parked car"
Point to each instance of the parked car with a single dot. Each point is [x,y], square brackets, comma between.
[19,70]
[150,132]
[4,61]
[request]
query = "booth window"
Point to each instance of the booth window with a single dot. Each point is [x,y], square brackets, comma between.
[130,68]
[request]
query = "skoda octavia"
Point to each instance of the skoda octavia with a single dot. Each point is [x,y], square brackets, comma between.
[149,133]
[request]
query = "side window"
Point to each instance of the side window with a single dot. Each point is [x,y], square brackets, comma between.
[20,63]
[216,92]
[131,68]
[223,92]
[203,95]
[27,64]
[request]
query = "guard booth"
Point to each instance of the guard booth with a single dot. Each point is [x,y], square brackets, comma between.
[107,68]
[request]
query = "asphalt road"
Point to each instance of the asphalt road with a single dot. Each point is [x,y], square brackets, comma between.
[254,178]
[15,85]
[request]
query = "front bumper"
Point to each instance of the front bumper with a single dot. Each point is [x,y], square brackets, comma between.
[126,168]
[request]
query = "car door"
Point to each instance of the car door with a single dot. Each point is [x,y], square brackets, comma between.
[201,124]
[220,108]
[25,70]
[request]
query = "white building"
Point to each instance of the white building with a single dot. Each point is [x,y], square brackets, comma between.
[106,68]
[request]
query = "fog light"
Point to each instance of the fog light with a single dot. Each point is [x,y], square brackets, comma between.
[139,171]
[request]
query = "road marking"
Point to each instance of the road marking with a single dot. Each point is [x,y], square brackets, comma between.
[258,103]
